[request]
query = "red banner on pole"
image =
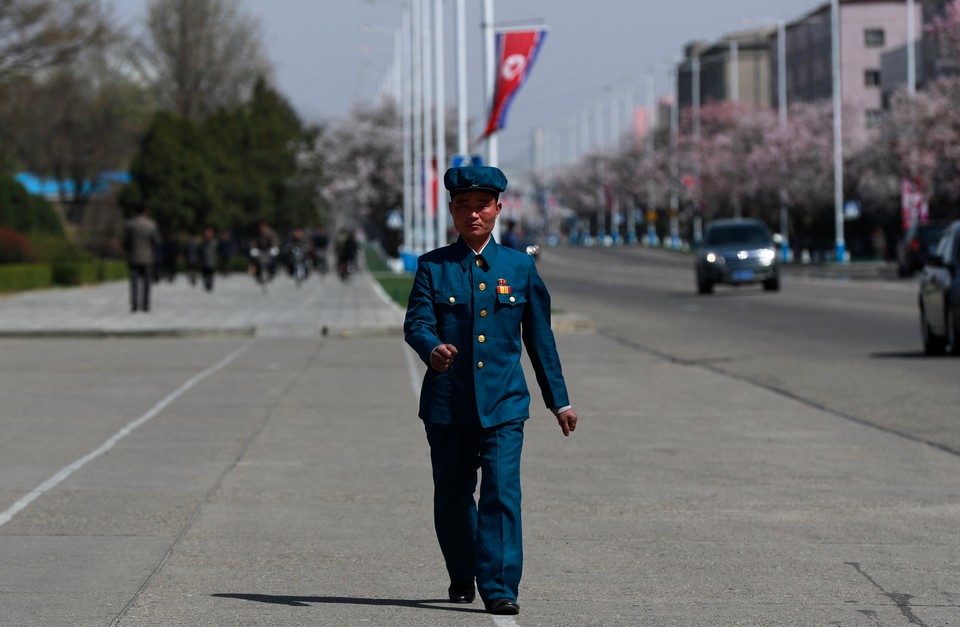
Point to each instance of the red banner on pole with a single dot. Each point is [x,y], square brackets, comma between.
[516,52]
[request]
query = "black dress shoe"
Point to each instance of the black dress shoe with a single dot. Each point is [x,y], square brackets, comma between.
[503,607]
[462,592]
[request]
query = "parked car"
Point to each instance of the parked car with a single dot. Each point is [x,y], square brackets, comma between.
[917,244]
[940,295]
[737,252]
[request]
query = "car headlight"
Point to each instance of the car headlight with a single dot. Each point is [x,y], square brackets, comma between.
[711,257]
[767,256]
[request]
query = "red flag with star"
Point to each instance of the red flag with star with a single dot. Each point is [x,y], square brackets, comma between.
[516,52]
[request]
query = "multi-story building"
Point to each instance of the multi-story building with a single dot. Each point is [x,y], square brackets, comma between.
[868,29]
[929,61]
[736,68]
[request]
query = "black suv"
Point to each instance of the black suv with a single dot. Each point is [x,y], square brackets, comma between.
[737,252]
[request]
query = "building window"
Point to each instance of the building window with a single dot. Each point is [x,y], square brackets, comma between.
[873,118]
[874,38]
[871,78]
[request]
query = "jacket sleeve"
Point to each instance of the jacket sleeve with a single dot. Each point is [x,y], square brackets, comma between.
[541,345]
[420,323]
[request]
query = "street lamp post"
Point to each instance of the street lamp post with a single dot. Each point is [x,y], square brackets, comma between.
[440,118]
[675,163]
[837,131]
[782,110]
[911,50]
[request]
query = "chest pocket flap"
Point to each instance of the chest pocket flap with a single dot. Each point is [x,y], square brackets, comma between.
[511,299]
[452,299]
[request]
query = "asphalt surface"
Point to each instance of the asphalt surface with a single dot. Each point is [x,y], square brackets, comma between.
[221,461]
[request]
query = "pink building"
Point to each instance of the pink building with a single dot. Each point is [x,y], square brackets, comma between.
[868,30]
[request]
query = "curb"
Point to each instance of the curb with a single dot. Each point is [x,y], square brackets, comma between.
[126,333]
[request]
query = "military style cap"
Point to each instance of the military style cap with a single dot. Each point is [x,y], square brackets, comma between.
[475,178]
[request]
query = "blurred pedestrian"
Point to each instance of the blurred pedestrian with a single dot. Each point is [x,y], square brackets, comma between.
[473,305]
[346,249]
[321,242]
[208,257]
[192,252]
[225,251]
[140,240]
[510,238]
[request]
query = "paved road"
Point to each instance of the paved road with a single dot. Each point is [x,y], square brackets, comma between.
[283,479]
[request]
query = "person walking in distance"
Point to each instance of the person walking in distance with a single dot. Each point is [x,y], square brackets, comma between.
[209,250]
[140,240]
[474,304]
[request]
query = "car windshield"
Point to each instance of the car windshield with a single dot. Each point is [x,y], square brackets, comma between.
[740,234]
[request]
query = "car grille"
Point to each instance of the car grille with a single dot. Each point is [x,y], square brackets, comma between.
[750,263]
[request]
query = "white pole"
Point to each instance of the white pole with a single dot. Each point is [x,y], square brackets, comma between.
[601,195]
[429,237]
[584,132]
[462,139]
[628,121]
[911,50]
[418,196]
[598,126]
[651,159]
[782,110]
[837,131]
[734,71]
[490,78]
[441,113]
[407,106]
[614,123]
[675,163]
[697,217]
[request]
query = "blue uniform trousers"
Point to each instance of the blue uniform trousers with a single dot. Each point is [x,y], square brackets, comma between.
[479,539]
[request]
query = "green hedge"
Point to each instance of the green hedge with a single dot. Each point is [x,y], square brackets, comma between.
[19,277]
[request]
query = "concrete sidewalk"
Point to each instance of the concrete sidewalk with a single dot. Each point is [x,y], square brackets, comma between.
[236,306]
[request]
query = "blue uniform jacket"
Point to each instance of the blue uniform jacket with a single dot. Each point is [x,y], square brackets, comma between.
[484,306]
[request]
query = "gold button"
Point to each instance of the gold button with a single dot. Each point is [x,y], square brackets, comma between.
[479,263]
[479,364]
[482,286]
[483,313]
[513,299]
[452,299]
[481,339]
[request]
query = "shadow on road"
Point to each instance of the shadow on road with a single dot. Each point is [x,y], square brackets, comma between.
[307,601]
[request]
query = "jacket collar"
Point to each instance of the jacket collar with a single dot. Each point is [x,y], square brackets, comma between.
[464,254]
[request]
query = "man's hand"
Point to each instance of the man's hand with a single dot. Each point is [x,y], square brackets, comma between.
[442,356]
[568,421]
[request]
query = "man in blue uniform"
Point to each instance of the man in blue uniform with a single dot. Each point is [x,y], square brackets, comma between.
[472,305]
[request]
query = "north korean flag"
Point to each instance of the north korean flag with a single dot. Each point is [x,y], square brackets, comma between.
[516,52]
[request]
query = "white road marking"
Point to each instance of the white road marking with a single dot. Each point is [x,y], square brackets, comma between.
[505,621]
[68,470]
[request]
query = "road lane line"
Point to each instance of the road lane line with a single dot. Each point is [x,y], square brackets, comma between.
[68,470]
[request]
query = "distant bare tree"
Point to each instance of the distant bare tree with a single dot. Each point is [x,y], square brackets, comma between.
[201,55]
[37,34]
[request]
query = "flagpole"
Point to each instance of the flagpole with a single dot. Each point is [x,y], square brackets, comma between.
[429,236]
[441,112]
[490,79]
[407,108]
[418,170]
[462,138]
